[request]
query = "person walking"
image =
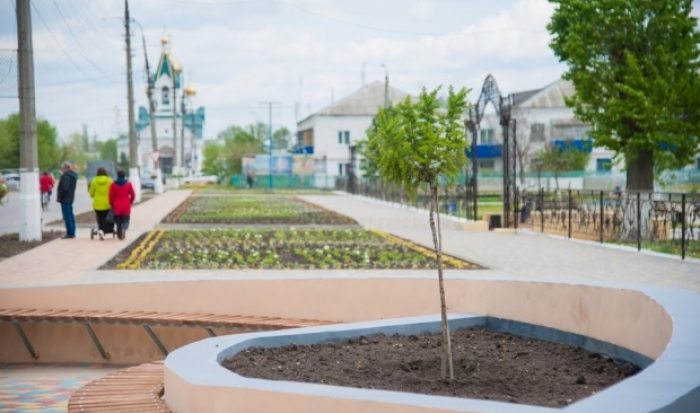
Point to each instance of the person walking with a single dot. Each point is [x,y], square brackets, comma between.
[99,191]
[65,195]
[46,184]
[121,196]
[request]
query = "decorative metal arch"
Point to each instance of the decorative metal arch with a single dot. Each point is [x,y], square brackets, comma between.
[491,94]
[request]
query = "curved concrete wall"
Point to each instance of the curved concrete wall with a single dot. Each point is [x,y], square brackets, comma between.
[640,323]
[661,324]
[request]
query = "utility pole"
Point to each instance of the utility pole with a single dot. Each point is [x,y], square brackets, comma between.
[133,150]
[386,86]
[176,160]
[190,92]
[158,185]
[182,132]
[269,131]
[30,198]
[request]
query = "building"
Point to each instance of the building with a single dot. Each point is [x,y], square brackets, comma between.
[172,102]
[541,117]
[329,134]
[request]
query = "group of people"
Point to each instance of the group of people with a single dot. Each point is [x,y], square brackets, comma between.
[115,197]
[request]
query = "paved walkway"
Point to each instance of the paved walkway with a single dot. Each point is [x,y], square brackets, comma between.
[61,261]
[526,254]
[9,211]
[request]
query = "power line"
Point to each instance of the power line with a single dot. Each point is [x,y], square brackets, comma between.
[80,47]
[59,43]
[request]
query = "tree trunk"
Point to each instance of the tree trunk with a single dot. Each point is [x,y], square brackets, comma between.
[640,172]
[437,242]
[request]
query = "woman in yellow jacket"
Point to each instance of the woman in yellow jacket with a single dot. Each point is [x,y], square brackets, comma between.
[99,191]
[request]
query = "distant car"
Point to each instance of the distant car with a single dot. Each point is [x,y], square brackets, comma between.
[148,183]
[12,182]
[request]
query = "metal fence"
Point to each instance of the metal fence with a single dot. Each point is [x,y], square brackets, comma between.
[660,221]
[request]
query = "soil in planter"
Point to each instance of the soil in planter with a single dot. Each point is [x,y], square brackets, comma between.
[10,244]
[488,365]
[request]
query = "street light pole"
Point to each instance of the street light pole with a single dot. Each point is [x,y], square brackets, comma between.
[386,86]
[30,197]
[133,150]
[158,185]
[269,131]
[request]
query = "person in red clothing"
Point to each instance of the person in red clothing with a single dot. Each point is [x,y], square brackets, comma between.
[46,184]
[121,196]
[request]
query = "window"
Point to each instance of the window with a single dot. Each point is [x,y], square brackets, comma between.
[343,137]
[166,96]
[486,136]
[340,169]
[487,166]
[537,132]
[603,165]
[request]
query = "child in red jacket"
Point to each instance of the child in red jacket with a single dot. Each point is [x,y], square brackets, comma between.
[121,196]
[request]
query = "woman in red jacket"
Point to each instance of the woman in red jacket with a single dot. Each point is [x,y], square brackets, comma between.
[121,196]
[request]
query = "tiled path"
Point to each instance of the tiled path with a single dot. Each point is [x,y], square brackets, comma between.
[522,255]
[44,388]
[66,260]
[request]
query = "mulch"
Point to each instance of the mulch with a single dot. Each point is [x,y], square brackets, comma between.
[488,365]
[10,245]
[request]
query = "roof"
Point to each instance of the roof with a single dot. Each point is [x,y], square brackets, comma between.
[363,102]
[166,66]
[550,96]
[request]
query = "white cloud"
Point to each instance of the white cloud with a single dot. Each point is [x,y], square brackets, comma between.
[422,9]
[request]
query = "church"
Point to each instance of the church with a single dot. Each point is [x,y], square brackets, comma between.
[178,126]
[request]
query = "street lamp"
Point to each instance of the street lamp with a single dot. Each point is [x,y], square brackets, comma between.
[386,86]
[539,163]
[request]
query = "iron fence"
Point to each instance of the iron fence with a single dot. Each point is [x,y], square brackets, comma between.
[665,222]
[660,221]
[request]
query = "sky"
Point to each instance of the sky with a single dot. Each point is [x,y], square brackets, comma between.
[304,54]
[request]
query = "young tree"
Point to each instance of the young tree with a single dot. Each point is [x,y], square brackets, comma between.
[561,158]
[421,145]
[634,66]
[367,164]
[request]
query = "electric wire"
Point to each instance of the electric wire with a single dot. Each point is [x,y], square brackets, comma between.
[77,66]
[80,47]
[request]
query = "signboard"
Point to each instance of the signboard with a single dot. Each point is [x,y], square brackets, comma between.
[281,164]
[302,165]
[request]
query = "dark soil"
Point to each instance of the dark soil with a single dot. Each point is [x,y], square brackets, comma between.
[10,244]
[488,365]
[123,255]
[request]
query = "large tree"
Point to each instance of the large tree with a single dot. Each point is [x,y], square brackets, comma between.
[423,145]
[47,143]
[634,67]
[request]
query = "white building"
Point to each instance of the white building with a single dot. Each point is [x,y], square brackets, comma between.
[541,116]
[329,133]
[170,100]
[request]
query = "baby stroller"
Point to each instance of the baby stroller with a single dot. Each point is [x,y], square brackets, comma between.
[109,226]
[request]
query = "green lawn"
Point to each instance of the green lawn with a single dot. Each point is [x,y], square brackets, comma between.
[673,247]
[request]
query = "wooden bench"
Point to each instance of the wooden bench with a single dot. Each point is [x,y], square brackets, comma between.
[136,389]
[146,319]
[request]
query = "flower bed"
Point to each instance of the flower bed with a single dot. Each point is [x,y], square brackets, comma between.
[255,210]
[279,249]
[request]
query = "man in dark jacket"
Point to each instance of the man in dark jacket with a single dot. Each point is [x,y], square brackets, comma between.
[65,196]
